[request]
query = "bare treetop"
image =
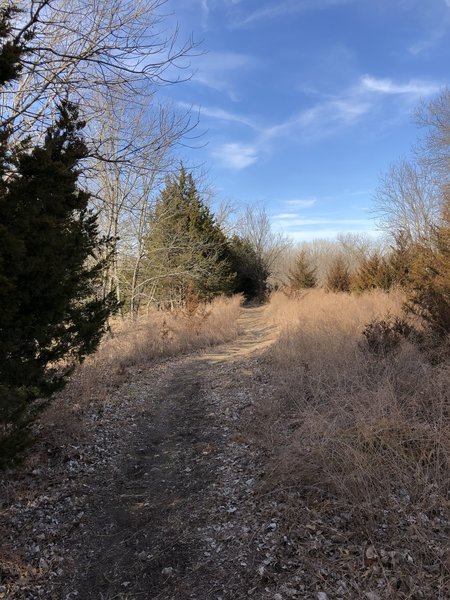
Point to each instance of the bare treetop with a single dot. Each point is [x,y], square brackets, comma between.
[80,48]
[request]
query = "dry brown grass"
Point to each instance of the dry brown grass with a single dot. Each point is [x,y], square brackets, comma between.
[357,430]
[136,343]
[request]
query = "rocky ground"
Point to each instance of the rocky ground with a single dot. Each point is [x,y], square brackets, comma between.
[164,498]
[159,501]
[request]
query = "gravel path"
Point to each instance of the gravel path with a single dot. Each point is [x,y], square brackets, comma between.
[159,502]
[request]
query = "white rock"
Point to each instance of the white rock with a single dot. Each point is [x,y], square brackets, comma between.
[371,553]
[322,596]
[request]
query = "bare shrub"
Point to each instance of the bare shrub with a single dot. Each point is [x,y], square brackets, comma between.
[195,312]
[383,336]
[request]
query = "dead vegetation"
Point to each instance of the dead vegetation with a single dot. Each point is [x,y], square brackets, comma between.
[133,343]
[358,441]
[342,497]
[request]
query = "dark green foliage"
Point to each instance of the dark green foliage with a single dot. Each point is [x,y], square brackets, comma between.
[251,271]
[423,270]
[373,273]
[11,50]
[185,249]
[338,276]
[51,315]
[303,274]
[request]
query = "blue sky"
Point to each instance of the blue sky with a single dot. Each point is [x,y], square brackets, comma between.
[304,103]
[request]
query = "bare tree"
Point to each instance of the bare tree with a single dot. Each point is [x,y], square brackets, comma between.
[410,196]
[81,49]
[434,149]
[126,188]
[356,247]
[254,226]
[407,199]
[112,56]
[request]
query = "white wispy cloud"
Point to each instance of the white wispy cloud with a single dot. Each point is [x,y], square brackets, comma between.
[204,4]
[329,115]
[217,70]
[285,216]
[270,10]
[413,87]
[360,99]
[321,233]
[296,220]
[435,35]
[300,228]
[301,202]
[325,118]
[235,155]
[221,114]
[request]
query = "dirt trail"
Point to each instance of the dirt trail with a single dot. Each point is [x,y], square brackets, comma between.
[160,522]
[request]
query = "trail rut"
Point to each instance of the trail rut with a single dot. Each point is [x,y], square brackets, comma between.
[145,533]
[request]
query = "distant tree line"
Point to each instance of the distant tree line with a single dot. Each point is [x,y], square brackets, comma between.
[412,203]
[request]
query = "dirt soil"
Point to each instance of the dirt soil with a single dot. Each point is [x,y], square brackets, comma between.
[159,501]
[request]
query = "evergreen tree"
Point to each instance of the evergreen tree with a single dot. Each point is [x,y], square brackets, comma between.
[429,278]
[303,274]
[11,51]
[251,270]
[401,258]
[51,315]
[186,249]
[338,276]
[373,272]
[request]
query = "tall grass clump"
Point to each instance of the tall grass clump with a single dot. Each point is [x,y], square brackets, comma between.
[353,428]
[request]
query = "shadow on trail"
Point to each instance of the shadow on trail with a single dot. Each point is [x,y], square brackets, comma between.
[143,535]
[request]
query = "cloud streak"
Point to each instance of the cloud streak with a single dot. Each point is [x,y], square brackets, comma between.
[235,155]
[292,220]
[217,70]
[327,117]
[300,228]
[288,7]
[301,202]
[414,87]
[221,115]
